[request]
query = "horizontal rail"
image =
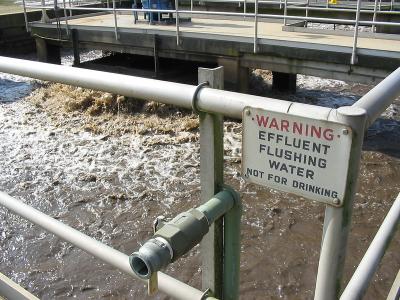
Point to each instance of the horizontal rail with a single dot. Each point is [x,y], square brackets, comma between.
[380,97]
[166,284]
[230,104]
[234,14]
[12,290]
[366,269]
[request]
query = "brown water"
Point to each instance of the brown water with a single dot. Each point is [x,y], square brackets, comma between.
[112,185]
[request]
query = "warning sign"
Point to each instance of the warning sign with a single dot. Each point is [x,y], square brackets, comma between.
[295,154]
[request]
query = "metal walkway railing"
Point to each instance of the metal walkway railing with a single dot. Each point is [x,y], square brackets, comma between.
[212,105]
[257,17]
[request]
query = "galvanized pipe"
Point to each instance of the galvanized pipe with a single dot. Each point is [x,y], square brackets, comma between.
[285,13]
[359,282]
[338,219]
[255,26]
[380,97]
[66,17]
[233,14]
[230,104]
[166,284]
[353,59]
[374,16]
[115,21]
[25,16]
[177,21]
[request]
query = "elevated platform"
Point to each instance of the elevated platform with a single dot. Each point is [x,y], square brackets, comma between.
[229,42]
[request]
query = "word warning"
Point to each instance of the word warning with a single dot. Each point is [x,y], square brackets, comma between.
[295,154]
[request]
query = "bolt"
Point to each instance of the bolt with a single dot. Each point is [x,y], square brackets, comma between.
[247,112]
[336,201]
[345,131]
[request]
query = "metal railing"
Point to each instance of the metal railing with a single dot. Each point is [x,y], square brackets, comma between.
[212,105]
[257,17]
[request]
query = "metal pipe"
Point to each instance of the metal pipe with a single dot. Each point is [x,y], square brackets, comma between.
[177,21]
[245,8]
[167,284]
[233,14]
[115,21]
[353,59]
[307,9]
[230,104]
[394,293]
[232,223]
[380,97]
[338,220]
[178,236]
[211,127]
[374,16]
[11,290]
[255,26]
[66,17]
[25,16]
[359,282]
[285,14]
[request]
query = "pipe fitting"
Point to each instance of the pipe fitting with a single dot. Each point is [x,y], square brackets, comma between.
[176,237]
[169,243]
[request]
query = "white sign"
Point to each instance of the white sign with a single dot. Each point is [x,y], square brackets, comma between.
[295,154]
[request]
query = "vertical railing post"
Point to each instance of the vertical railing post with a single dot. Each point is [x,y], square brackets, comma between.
[177,21]
[70,6]
[231,271]
[211,178]
[285,13]
[25,16]
[391,5]
[115,21]
[255,25]
[338,219]
[245,8]
[66,17]
[374,17]
[353,59]
[45,18]
[306,22]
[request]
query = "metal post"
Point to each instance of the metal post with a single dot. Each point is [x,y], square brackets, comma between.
[391,5]
[211,178]
[255,25]
[115,21]
[70,10]
[353,59]
[374,16]
[75,47]
[361,278]
[285,14]
[245,8]
[338,220]
[45,18]
[232,221]
[306,22]
[66,17]
[177,21]
[380,5]
[191,5]
[25,16]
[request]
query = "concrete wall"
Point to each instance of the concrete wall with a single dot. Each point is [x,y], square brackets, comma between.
[13,36]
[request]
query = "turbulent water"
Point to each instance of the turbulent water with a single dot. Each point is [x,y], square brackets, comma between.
[112,188]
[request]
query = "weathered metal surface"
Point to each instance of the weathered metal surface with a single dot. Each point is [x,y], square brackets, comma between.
[299,155]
